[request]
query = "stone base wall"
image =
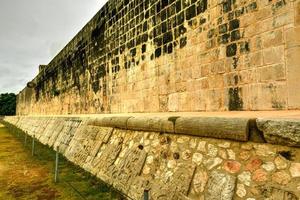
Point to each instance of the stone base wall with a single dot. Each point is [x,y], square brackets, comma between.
[172,166]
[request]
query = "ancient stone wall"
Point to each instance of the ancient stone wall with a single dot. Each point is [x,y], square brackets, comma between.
[173,166]
[175,55]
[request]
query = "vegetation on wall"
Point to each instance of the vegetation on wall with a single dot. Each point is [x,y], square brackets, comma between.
[7,104]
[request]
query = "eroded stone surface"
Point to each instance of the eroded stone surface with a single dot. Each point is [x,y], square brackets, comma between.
[285,132]
[173,166]
[220,186]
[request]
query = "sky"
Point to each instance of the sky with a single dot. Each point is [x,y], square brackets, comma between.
[32,32]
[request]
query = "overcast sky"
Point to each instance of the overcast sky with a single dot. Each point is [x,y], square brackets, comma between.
[32,32]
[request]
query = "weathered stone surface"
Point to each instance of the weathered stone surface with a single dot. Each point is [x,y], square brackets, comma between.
[277,194]
[295,169]
[241,191]
[281,177]
[253,164]
[176,187]
[245,178]
[280,131]
[224,128]
[164,56]
[280,162]
[232,166]
[200,181]
[171,166]
[151,124]
[260,175]
[220,186]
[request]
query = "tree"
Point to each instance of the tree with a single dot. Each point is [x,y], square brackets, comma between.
[8,104]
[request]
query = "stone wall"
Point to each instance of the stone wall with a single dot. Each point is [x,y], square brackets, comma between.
[173,166]
[175,55]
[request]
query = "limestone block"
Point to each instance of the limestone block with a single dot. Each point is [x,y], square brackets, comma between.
[272,38]
[220,186]
[292,36]
[297,13]
[224,128]
[157,124]
[293,74]
[273,55]
[280,131]
[118,122]
[276,193]
[272,73]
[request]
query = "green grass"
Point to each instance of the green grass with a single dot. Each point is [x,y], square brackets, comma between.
[25,177]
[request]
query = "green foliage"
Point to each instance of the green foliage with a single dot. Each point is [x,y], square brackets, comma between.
[8,104]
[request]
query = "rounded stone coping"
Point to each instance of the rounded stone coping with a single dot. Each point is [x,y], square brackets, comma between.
[281,131]
[215,127]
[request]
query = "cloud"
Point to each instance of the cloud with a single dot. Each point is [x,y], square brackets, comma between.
[33,32]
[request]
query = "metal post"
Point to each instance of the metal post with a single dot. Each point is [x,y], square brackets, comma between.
[33,144]
[25,140]
[110,193]
[56,165]
[146,194]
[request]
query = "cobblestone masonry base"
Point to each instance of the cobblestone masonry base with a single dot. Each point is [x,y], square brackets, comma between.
[171,166]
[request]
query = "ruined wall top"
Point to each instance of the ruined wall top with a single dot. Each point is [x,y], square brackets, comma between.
[175,55]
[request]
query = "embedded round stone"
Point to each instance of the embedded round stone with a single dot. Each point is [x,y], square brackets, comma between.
[268,166]
[295,169]
[202,146]
[212,150]
[281,177]
[200,181]
[245,155]
[197,158]
[241,191]
[254,164]
[260,175]
[232,166]
[280,162]
[245,178]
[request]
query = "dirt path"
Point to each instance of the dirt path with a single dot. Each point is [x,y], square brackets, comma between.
[25,177]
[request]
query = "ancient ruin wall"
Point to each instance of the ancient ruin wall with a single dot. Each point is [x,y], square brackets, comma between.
[172,166]
[175,55]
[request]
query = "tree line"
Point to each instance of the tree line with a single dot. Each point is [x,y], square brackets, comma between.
[8,104]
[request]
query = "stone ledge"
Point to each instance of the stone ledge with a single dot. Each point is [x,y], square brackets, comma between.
[283,129]
[280,131]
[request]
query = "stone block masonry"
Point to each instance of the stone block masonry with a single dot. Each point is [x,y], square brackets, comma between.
[175,55]
[177,166]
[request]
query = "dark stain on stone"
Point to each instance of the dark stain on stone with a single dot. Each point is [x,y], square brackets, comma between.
[235,100]
[231,50]
[287,155]
[235,35]
[141,147]
[201,6]
[244,47]
[190,12]
[173,119]
[223,39]
[235,62]
[227,5]
[176,156]
[183,42]
[223,28]
[211,33]
[158,52]
[234,24]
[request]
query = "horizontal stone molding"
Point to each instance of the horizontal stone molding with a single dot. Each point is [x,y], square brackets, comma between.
[281,131]
[214,127]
